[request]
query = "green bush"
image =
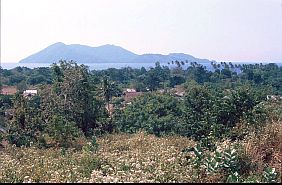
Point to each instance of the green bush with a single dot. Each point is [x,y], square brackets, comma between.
[156,114]
[62,131]
[210,113]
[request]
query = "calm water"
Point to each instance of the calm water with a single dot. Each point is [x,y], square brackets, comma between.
[101,66]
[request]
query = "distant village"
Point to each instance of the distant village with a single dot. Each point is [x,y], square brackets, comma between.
[128,95]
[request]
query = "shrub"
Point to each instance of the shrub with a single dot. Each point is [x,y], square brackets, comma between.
[212,114]
[154,113]
[63,132]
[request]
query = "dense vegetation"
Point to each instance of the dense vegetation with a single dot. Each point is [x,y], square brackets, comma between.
[227,104]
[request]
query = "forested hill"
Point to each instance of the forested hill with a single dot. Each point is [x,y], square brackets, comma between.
[105,53]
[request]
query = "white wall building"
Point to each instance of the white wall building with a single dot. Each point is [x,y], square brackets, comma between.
[29,92]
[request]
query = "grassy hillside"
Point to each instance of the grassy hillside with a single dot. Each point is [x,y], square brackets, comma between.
[139,158]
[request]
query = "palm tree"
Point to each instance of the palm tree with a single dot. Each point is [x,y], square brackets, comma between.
[214,65]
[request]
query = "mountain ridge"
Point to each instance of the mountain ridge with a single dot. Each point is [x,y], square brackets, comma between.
[101,54]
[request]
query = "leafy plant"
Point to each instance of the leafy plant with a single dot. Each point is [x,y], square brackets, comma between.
[62,131]
[230,160]
[233,178]
[91,146]
[225,161]
[269,175]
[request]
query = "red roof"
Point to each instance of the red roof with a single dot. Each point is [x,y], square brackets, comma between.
[129,96]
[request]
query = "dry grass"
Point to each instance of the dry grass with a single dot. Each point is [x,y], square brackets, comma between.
[265,147]
[143,158]
[131,158]
[121,158]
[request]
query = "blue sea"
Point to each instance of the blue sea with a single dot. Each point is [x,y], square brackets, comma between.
[101,66]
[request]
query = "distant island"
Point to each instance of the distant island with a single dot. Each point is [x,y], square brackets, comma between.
[101,54]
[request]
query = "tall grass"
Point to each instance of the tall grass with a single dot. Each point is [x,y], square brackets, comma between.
[137,158]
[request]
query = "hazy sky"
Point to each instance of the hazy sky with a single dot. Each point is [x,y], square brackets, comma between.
[236,30]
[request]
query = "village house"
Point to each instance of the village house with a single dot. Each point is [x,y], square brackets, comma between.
[273,98]
[28,93]
[8,90]
[161,91]
[3,130]
[130,90]
[130,94]
[178,91]
[179,94]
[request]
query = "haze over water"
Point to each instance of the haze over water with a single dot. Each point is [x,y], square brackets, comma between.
[101,66]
